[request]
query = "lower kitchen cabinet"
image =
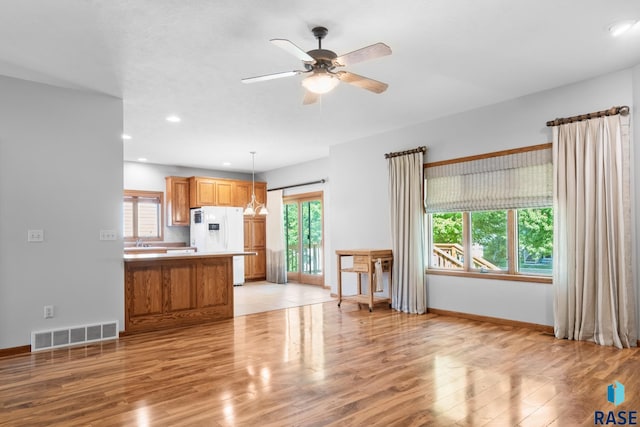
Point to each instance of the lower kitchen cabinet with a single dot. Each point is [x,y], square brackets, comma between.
[255,268]
[169,291]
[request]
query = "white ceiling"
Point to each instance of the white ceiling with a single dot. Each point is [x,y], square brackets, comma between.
[187,57]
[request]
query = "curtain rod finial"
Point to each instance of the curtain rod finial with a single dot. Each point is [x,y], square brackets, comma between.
[622,110]
[422,149]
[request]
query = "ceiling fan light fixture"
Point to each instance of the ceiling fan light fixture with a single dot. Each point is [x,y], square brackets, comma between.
[320,82]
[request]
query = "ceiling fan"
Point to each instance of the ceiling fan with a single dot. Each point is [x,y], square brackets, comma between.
[320,65]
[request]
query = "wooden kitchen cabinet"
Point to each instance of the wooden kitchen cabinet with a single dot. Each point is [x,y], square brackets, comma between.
[224,193]
[242,193]
[177,200]
[255,240]
[259,232]
[197,191]
[258,264]
[204,191]
[261,192]
[166,291]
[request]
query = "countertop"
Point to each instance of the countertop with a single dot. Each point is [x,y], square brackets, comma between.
[152,248]
[150,257]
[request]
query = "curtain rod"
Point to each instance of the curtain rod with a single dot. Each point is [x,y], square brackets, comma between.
[623,110]
[404,153]
[320,181]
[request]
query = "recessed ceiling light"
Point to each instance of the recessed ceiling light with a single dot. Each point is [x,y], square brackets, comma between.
[621,27]
[142,159]
[173,119]
[126,137]
[226,164]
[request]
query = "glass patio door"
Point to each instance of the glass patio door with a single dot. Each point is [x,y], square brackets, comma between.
[303,229]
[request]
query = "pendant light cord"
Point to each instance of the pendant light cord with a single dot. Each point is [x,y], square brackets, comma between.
[253,177]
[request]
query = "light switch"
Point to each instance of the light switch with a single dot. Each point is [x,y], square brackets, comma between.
[35,235]
[108,235]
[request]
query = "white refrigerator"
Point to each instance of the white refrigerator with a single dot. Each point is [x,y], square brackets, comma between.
[220,229]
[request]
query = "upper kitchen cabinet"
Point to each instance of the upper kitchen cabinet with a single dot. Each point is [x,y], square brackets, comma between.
[177,200]
[211,192]
[224,193]
[261,192]
[242,193]
[202,191]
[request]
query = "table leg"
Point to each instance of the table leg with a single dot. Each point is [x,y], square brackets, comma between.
[372,278]
[390,283]
[339,267]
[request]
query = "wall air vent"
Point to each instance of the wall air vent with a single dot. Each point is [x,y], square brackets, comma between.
[64,337]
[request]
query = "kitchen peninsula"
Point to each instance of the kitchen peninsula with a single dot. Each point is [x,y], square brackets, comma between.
[170,290]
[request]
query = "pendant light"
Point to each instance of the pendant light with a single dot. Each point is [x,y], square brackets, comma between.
[253,207]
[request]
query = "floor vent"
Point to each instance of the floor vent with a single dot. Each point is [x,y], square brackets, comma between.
[45,340]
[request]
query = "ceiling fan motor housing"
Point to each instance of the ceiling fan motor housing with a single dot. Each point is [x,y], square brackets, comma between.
[324,59]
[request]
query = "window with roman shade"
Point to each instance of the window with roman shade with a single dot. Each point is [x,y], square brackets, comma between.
[492,214]
[515,180]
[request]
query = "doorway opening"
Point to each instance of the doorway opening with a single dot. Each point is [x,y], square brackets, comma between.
[304,236]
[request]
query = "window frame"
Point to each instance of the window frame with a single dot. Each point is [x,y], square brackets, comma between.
[511,273]
[135,194]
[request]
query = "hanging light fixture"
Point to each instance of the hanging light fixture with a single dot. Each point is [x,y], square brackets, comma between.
[253,206]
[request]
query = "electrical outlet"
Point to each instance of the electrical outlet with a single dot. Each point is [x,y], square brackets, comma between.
[108,235]
[35,235]
[48,311]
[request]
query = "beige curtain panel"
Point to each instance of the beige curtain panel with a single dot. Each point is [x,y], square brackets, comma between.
[276,255]
[407,233]
[520,180]
[594,296]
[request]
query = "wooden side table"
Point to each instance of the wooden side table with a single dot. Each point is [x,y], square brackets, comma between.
[364,263]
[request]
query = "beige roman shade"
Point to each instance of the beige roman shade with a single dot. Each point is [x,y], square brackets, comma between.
[511,181]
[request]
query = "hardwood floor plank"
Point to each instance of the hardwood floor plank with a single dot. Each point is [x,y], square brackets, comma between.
[320,365]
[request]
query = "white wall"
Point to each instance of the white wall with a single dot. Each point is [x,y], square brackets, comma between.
[150,177]
[60,171]
[359,200]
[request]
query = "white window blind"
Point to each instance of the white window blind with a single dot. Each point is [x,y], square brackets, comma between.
[127,209]
[511,181]
[142,217]
[148,215]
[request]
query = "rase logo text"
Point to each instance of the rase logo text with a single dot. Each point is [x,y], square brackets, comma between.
[615,395]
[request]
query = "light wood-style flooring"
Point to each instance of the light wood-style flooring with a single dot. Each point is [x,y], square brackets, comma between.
[320,365]
[256,297]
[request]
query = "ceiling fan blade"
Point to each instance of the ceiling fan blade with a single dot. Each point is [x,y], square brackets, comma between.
[293,49]
[366,53]
[362,82]
[310,97]
[271,76]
